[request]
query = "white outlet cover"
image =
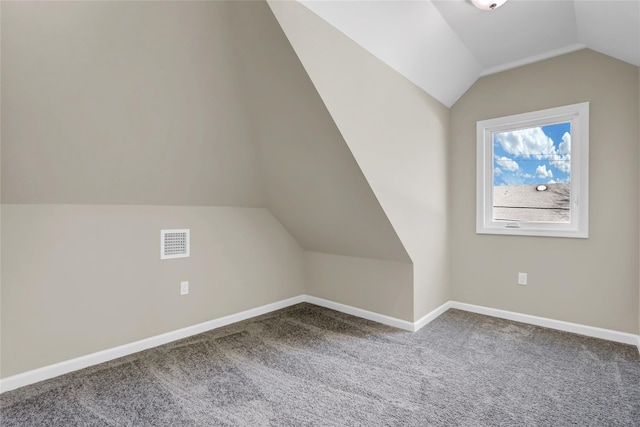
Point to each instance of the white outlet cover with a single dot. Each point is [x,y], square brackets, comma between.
[522,278]
[184,288]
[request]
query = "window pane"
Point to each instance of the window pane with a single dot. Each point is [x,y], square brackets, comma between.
[532,174]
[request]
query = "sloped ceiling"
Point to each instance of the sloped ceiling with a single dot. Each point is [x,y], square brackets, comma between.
[178,103]
[314,185]
[444,46]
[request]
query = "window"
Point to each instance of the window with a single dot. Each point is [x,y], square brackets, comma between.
[533,173]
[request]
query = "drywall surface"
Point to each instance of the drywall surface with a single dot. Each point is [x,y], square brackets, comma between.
[178,103]
[122,118]
[80,279]
[314,185]
[590,281]
[397,134]
[412,37]
[381,286]
[124,103]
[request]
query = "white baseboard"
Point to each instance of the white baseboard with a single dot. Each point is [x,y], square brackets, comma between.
[431,316]
[365,314]
[52,371]
[590,331]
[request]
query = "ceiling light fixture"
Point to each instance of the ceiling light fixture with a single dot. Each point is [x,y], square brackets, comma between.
[488,4]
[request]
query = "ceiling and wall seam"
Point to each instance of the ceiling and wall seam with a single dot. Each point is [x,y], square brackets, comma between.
[298,142]
[397,133]
[516,34]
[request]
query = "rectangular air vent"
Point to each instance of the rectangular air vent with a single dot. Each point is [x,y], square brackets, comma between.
[174,243]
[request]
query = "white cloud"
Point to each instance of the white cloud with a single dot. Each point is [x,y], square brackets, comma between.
[534,143]
[527,143]
[562,163]
[565,145]
[507,163]
[497,171]
[562,160]
[542,172]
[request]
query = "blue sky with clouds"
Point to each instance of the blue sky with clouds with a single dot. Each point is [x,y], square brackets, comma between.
[538,155]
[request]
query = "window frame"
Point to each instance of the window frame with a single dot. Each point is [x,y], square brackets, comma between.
[578,226]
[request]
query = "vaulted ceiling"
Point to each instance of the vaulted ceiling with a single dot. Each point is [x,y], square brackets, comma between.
[444,46]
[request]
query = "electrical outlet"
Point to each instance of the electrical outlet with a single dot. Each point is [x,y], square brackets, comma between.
[184,288]
[522,278]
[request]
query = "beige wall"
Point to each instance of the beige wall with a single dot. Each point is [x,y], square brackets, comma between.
[588,281]
[386,287]
[122,118]
[314,185]
[137,116]
[124,103]
[82,278]
[398,135]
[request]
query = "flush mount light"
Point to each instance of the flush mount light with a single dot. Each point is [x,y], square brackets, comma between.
[488,4]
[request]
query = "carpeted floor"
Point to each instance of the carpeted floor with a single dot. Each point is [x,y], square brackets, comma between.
[309,366]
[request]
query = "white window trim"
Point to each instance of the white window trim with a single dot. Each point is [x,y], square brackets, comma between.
[578,115]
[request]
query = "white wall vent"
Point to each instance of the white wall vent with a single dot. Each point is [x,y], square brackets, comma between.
[174,243]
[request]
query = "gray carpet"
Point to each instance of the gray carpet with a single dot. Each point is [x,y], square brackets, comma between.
[309,366]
